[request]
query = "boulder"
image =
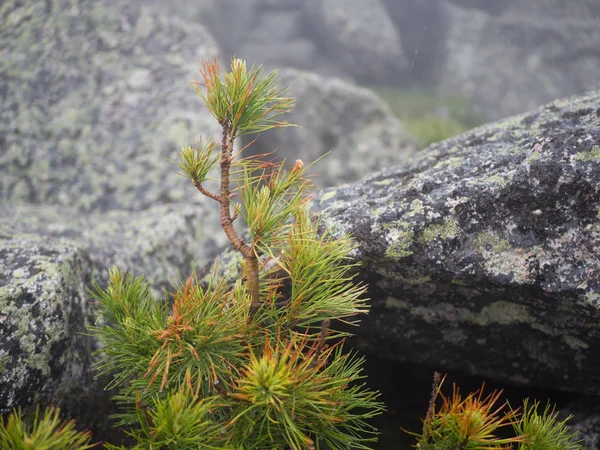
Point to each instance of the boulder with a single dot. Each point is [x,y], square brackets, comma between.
[159,243]
[44,310]
[360,36]
[355,39]
[49,257]
[511,59]
[483,253]
[336,116]
[95,102]
[585,420]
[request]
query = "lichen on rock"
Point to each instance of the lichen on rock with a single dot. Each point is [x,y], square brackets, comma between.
[43,313]
[505,214]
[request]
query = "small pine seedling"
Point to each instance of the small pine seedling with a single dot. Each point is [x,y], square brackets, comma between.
[473,423]
[543,431]
[254,363]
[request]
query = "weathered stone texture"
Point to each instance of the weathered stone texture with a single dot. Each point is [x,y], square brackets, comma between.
[95,100]
[359,35]
[483,254]
[43,311]
[520,57]
[158,243]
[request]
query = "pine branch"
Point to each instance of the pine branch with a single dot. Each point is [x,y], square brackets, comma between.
[46,432]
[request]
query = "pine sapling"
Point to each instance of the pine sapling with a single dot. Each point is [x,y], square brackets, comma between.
[253,363]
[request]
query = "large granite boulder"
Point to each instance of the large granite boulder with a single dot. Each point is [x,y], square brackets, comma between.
[356,39]
[483,254]
[336,116]
[504,57]
[159,242]
[360,36]
[48,259]
[44,309]
[95,101]
[511,58]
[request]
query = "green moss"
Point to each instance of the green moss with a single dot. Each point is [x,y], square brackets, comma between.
[416,207]
[446,230]
[592,155]
[385,182]
[428,117]
[327,195]
[19,273]
[488,241]
[417,280]
[498,180]
[4,361]
[535,155]
[400,237]
[393,302]
[453,162]
[460,282]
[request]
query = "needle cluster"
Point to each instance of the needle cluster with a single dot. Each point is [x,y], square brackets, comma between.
[45,432]
[254,364]
[476,422]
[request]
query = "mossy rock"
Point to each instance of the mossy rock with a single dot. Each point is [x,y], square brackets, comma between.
[483,253]
[96,101]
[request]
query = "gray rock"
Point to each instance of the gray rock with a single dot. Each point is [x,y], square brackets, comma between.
[300,53]
[585,420]
[282,26]
[360,36]
[483,254]
[43,311]
[159,243]
[95,101]
[336,116]
[48,259]
[519,58]
[583,9]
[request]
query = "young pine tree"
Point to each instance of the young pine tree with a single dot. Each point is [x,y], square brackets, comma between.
[476,422]
[252,364]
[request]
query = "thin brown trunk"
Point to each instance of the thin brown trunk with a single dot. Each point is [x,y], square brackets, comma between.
[251,261]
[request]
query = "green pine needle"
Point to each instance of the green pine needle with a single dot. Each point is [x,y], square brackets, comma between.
[243,100]
[47,432]
[543,431]
[197,162]
[299,395]
[149,351]
[269,199]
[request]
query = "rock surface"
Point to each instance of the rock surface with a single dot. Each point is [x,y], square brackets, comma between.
[43,311]
[159,243]
[96,100]
[504,57]
[585,420]
[49,257]
[360,36]
[514,58]
[483,254]
[335,116]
